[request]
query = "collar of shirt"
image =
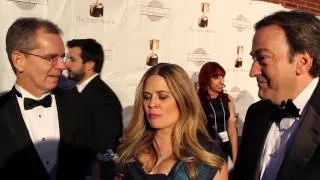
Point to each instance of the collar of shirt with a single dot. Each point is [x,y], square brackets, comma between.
[285,125]
[300,100]
[25,93]
[81,86]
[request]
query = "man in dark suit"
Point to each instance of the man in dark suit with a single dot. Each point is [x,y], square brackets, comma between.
[42,130]
[85,62]
[281,140]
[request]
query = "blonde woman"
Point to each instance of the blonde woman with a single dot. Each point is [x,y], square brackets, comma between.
[167,138]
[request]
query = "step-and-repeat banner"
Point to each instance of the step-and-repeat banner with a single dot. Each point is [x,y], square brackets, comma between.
[136,34]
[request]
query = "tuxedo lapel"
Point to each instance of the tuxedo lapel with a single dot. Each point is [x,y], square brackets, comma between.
[23,156]
[72,158]
[92,86]
[18,156]
[255,131]
[69,114]
[306,140]
[63,119]
[262,126]
[15,122]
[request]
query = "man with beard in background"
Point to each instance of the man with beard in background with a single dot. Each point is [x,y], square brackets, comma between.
[84,64]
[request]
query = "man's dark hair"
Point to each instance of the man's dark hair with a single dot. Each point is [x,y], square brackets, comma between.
[22,34]
[91,51]
[302,33]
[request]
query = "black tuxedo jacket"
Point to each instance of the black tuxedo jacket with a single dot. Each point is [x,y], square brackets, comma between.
[18,156]
[105,122]
[106,114]
[302,161]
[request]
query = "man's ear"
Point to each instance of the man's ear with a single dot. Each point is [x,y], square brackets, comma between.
[90,65]
[18,61]
[303,63]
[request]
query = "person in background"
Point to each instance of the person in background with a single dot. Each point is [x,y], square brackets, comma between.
[166,137]
[42,129]
[281,134]
[218,107]
[84,65]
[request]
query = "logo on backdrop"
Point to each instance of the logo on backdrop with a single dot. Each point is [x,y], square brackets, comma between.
[239,63]
[155,11]
[29,4]
[95,15]
[203,20]
[199,56]
[96,9]
[108,53]
[152,59]
[241,23]
[239,58]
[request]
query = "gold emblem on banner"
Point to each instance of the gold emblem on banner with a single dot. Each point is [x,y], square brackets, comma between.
[96,9]
[203,20]
[238,62]
[152,59]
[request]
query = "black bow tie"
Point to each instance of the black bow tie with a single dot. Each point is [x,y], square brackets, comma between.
[31,103]
[285,110]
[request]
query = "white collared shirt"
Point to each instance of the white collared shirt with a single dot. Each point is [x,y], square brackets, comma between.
[270,146]
[83,85]
[43,127]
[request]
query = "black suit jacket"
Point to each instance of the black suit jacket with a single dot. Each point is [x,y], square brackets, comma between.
[302,161]
[105,114]
[105,122]
[18,156]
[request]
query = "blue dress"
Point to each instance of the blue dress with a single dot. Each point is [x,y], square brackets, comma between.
[134,171]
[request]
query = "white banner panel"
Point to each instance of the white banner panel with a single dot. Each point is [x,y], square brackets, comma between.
[135,33]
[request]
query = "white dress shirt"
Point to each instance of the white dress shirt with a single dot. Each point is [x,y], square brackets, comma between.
[81,86]
[43,127]
[283,130]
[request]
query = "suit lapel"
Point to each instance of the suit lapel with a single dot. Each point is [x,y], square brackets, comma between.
[16,123]
[25,155]
[265,123]
[68,114]
[306,140]
[66,129]
[73,133]
[255,131]
[91,85]
[62,112]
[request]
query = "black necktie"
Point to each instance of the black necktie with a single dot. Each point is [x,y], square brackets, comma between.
[285,110]
[29,103]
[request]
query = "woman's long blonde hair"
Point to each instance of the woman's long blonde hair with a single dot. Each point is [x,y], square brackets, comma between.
[138,136]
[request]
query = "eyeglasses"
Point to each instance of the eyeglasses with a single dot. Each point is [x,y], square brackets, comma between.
[50,59]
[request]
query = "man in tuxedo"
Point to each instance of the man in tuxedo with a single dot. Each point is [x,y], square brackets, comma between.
[42,130]
[85,62]
[281,140]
